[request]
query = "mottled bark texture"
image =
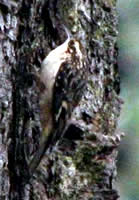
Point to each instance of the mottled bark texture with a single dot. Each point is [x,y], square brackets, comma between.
[84,165]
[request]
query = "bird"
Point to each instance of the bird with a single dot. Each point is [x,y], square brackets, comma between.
[63,81]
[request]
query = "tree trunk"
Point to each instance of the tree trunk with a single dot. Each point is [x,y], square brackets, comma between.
[84,167]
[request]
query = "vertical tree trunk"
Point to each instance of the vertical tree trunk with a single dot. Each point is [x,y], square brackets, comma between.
[84,167]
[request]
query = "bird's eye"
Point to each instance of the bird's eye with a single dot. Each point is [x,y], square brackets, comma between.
[71,43]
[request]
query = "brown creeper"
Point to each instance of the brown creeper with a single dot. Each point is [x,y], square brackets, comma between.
[63,76]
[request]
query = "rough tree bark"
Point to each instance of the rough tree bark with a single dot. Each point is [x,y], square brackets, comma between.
[84,167]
